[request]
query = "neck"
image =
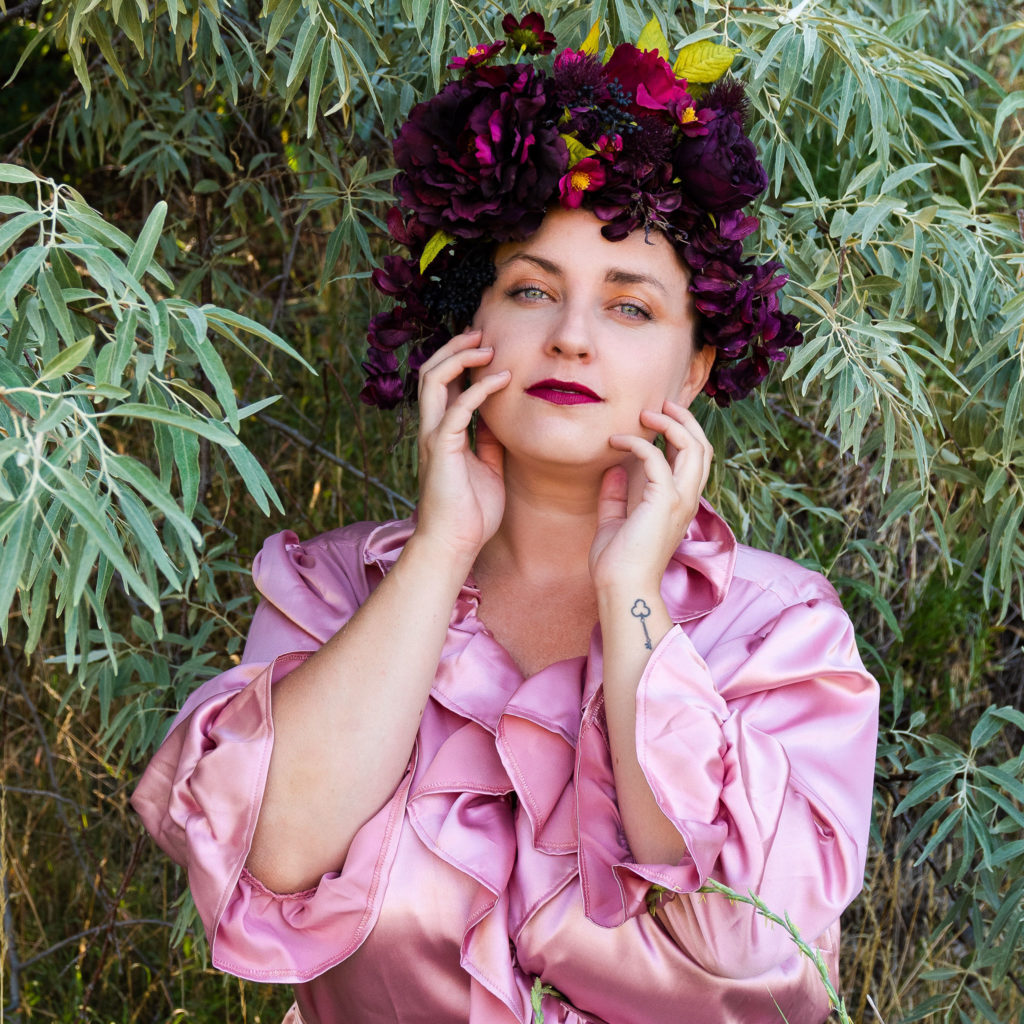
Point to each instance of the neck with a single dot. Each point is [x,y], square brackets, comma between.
[547,527]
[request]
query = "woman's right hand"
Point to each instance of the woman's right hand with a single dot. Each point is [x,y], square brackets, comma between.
[462,493]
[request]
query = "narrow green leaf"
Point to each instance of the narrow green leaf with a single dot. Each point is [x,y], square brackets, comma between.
[17,175]
[142,252]
[308,36]
[169,417]
[17,272]
[13,229]
[280,22]
[146,539]
[14,527]
[70,491]
[217,315]
[903,174]
[56,309]
[255,479]
[186,461]
[74,355]
[1008,105]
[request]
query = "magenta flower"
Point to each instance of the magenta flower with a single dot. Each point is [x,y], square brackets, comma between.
[586,176]
[477,55]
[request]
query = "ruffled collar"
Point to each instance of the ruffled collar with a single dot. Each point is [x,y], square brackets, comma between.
[695,582]
[490,734]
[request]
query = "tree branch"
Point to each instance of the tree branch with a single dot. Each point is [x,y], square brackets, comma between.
[25,10]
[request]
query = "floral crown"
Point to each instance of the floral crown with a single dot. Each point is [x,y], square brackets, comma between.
[642,143]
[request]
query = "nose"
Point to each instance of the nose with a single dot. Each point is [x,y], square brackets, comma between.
[570,335]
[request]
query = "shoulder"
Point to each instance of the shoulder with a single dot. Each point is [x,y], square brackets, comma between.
[338,567]
[778,580]
[768,595]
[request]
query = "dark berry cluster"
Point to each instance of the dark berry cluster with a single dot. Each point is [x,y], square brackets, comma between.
[453,297]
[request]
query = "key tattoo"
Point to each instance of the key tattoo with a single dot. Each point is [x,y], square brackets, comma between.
[641,610]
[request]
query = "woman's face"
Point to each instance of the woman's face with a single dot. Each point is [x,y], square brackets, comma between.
[593,332]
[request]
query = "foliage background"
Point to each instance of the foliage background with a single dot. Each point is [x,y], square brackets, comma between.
[189,207]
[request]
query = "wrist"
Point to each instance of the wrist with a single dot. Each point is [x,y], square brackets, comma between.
[450,562]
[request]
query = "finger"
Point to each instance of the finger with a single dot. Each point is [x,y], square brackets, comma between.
[652,461]
[689,455]
[459,413]
[440,384]
[457,343]
[613,496]
[686,445]
[489,450]
[682,415]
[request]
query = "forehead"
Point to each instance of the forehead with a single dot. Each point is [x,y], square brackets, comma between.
[569,242]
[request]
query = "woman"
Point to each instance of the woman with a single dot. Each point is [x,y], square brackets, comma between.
[488,756]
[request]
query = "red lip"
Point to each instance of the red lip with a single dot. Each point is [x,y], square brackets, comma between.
[562,392]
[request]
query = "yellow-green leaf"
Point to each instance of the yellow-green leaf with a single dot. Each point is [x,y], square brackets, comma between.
[590,43]
[703,62]
[577,151]
[653,38]
[437,242]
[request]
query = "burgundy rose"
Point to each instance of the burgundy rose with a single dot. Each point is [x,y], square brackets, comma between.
[648,80]
[481,158]
[720,169]
[407,231]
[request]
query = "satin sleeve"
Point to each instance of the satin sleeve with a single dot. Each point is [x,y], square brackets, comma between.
[762,756]
[200,796]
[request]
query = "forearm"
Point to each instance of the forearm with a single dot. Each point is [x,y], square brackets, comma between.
[346,720]
[626,632]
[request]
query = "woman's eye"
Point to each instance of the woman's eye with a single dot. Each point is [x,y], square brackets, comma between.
[529,292]
[633,311]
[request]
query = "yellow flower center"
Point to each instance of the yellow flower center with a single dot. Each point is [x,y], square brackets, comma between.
[580,181]
[474,50]
[689,114]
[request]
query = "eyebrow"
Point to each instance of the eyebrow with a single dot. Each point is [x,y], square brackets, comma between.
[616,275]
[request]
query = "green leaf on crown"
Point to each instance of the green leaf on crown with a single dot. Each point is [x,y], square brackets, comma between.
[437,242]
[703,62]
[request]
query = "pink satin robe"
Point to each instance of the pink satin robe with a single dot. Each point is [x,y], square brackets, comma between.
[501,857]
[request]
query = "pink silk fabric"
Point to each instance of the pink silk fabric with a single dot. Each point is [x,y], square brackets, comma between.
[501,857]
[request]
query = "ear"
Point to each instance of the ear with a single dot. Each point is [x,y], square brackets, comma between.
[697,375]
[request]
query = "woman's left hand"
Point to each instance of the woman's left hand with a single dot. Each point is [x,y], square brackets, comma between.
[642,520]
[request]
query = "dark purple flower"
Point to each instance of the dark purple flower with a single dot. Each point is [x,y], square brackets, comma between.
[728,96]
[481,158]
[407,231]
[393,329]
[720,169]
[528,35]
[383,387]
[396,276]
